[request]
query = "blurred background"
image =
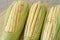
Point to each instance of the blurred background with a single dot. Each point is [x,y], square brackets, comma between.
[5,3]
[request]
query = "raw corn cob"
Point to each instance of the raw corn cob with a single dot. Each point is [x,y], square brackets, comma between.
[57,29]
[16,16]
[34,22]
[51,24]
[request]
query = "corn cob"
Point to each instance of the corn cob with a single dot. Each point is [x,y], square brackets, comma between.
[51,24]
[57,30]
[16,16]
[4,14]
[35,21]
